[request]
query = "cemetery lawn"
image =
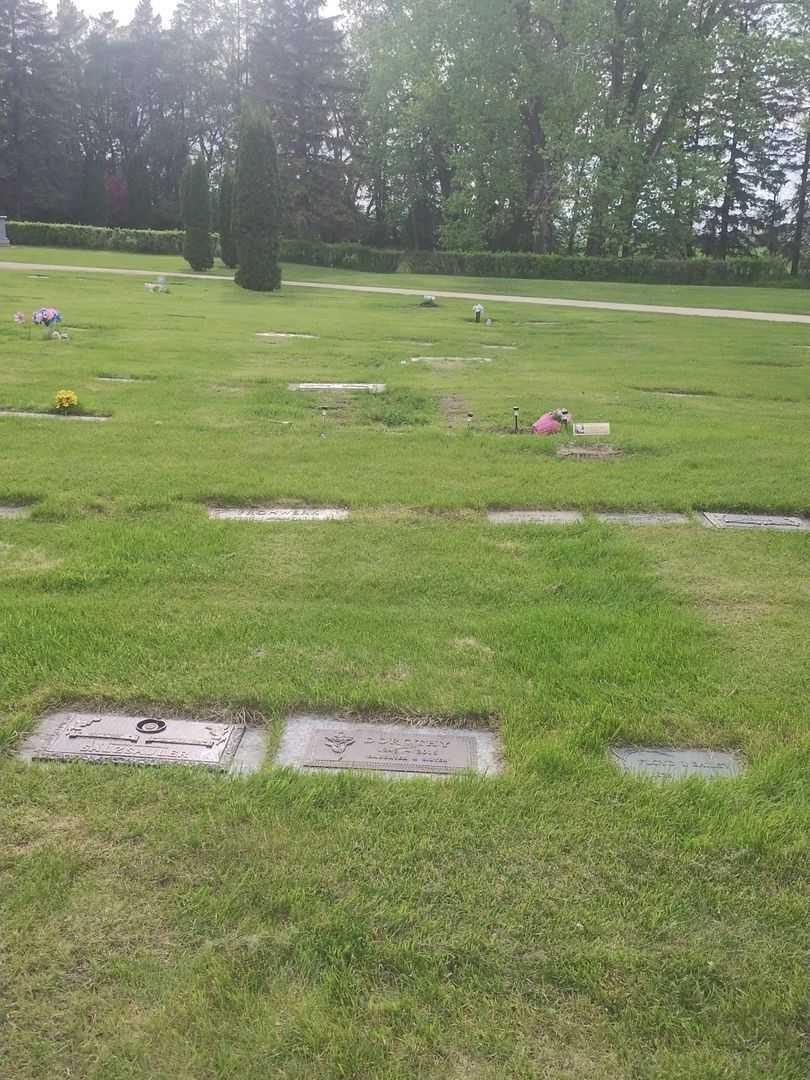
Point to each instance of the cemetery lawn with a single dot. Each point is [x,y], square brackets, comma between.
[741,298]
[561,920]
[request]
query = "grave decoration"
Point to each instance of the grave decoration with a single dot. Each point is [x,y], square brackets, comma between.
[47,318]
[478,311]
[551,423]
[428,301]
[65,400]
[158,286]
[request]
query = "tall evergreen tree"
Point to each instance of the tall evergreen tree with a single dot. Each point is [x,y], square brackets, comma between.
[298,69]
[258,205]
[227,236]
[197,247]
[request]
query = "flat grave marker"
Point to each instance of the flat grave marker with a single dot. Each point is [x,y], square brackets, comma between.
[369,388]
[451,359]
[754,521]
[671,763]
[534,517]
[114,378]
[50,415]
[651,517]
[396,750]
[15,512]
[280,334]
[591,429]
[143,740]
[278,513]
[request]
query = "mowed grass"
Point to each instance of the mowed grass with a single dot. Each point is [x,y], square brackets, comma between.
[791,300]
[559,921]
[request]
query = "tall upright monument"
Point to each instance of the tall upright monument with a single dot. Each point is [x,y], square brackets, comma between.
[4,240]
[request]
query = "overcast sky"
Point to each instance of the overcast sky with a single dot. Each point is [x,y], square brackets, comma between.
[123,9]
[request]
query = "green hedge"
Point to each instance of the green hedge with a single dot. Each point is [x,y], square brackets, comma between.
[512,264]
[44,234]
[499,264]
[341,256]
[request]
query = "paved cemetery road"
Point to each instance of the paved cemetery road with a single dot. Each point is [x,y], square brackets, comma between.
[503,298]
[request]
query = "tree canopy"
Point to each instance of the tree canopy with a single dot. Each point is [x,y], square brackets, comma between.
[600,126]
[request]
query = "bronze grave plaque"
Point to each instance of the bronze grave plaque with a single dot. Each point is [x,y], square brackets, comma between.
[754,521]
[386,750]
[137,740]
[671,763]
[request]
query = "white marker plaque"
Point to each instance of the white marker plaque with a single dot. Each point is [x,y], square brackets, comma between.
[591,429]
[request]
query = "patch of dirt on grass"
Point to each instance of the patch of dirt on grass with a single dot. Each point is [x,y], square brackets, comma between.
[454,409]
[399,673]
[222,388]
[599,450]
[15,560]
[472,645]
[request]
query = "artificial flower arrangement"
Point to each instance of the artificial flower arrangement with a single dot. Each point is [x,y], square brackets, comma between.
[65,400]
[47,318]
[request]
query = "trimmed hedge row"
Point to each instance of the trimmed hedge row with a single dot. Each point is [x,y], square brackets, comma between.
[95,238]
[341,256]
[501,264]
[513,264]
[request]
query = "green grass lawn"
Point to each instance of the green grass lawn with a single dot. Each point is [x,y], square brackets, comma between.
[790,300]
[559,921]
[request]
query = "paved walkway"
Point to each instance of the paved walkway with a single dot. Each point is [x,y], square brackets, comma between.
[504,298]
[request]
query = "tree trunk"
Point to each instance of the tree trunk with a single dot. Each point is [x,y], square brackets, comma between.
[801,208]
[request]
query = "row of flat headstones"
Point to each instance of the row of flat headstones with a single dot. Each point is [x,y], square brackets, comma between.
[502,517]
[315,743]
[539,517]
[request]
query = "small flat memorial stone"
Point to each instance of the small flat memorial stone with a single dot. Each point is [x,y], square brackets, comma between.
[643,518]
[279,513]
[534,517]
[49,415]
[368,387]
[279,334]
[451,359]
[399,750]
[591,429]
[142,740]
[15,512]
[754,521]
[663,763]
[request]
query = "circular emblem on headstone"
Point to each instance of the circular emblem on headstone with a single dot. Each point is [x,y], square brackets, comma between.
[151,727]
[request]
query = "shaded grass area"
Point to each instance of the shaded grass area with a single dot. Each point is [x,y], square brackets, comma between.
[740,298]
[562,920]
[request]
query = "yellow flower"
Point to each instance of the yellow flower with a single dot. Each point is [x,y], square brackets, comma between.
[64,400]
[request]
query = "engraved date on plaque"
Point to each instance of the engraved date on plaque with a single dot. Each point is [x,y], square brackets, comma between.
[109,737]
[386,751]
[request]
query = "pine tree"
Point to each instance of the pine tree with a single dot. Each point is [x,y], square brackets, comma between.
[227,236]
[197,248]
[258,206]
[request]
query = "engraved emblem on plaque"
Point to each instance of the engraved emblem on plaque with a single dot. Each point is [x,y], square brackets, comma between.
[339,743]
